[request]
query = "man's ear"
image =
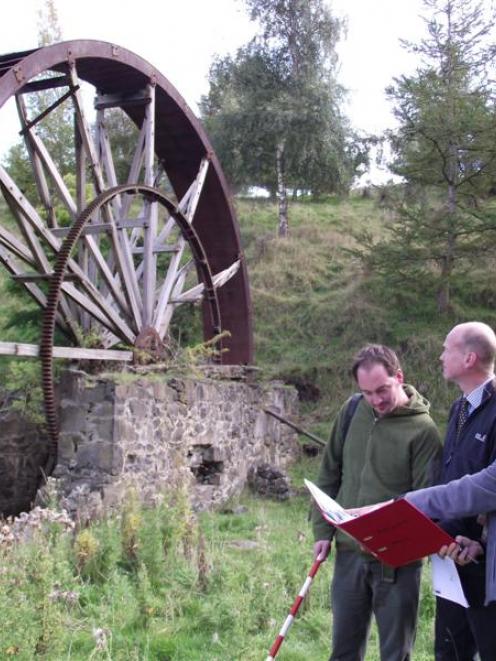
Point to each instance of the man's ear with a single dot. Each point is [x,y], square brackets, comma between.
[470,359]
[399,376]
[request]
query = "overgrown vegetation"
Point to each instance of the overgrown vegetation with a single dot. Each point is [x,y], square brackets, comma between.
[165,584]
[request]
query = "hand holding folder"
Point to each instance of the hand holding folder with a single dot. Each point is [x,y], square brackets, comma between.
[397,533]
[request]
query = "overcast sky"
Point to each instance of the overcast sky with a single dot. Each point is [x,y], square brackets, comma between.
[180,38]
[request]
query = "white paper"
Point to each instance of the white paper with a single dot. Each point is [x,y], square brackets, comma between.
[445,580]
[329,507]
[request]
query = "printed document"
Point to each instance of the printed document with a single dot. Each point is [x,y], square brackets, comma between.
[445,580]
[331,510]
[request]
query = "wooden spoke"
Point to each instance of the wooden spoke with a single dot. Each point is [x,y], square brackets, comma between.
[196,293]
[187,206]
[38,172]
[151,212]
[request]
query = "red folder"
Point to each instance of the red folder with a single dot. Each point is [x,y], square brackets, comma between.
[396,534]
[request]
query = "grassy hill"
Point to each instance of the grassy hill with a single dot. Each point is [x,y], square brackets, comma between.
[315,304]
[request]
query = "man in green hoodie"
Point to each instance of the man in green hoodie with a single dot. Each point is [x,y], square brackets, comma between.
[390,446]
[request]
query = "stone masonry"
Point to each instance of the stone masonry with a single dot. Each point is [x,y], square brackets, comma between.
[162,432]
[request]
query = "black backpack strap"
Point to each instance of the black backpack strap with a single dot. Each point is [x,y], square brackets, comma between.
[349,413]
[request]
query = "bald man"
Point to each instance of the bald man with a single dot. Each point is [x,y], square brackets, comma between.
[468,360]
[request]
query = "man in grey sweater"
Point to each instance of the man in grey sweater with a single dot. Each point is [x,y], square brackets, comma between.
[467,496]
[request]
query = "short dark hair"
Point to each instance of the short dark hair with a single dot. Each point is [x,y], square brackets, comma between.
[376,354]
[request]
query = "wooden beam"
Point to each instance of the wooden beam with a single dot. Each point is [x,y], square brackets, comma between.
[176,290]
[37,277]
[45,84]
[99,228]
[119,232]
[83,256]
[296,427]
[16,247]
[73,353]
[104,101]
[156,249]
[195,293]
[85,131]
[44,156]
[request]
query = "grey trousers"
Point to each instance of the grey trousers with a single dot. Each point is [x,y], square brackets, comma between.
[361,586]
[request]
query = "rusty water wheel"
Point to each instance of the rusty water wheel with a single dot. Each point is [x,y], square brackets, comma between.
[94,259]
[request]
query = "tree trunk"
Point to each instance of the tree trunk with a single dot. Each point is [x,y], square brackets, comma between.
[444,289]
[282,194]
[448,260]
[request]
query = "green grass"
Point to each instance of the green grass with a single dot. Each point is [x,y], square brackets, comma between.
[164,602]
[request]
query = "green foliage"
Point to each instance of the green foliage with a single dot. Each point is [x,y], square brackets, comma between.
[130,526]
[445,109]
[31,575]
[279,93]
[22,378]
[89,556]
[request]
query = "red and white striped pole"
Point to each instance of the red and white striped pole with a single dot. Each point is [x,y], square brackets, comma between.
[294,609]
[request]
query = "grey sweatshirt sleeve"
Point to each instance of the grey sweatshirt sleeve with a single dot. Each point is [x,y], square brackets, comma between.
[468,496]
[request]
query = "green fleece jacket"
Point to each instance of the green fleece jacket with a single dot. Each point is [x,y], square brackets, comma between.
[381,458]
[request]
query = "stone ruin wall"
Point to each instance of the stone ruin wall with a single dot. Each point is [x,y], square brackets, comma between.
[158,433]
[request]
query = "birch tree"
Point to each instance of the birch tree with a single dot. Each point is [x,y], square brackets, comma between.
[274,108]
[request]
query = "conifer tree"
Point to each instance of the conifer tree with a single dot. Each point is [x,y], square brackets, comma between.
[444,148]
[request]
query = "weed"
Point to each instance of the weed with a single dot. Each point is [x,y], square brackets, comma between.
[130,526]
